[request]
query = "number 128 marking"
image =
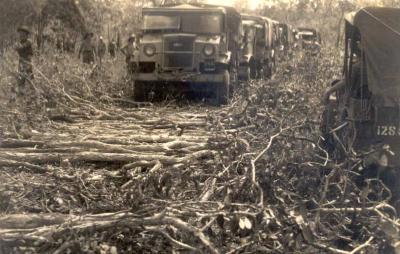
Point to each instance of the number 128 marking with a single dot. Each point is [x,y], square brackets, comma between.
[385,130]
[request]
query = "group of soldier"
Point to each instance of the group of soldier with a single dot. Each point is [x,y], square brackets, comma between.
[26,95]
[89,51]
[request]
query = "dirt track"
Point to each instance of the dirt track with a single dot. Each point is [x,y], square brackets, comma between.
[172,136]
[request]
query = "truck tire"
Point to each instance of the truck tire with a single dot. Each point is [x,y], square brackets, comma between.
[139,92]
[260,72]
[267,69]
[253,70]
[222,90]
[273,67]
[234,81]
[247,75]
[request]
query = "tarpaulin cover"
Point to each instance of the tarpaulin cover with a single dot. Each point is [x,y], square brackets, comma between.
[380,36]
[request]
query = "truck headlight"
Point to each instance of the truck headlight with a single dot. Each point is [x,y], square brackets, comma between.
[208,50]
[149,50]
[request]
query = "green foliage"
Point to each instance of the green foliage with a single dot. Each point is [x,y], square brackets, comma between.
[66,11]
[15,13]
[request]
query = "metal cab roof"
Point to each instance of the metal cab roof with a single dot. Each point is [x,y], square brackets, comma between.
[230,11]
[260,19]
[251,17]
[306,33]
[183,7]
[307,30]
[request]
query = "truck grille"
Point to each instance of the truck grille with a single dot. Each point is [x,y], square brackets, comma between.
[178,52]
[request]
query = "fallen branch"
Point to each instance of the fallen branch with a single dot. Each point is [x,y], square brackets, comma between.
[16,164]
[57,226]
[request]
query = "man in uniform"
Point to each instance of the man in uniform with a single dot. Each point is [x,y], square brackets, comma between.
[101,49]
[68,43]
[59,43]
[87,49]
[112,46]
[25,51]
[27,94]
[129,51]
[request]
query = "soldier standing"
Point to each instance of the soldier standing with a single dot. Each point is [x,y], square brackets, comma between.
[68,43]
[87,49]
[112,46]
[101,49]
[25,51]
[59,43]
[129,51]
[29,96]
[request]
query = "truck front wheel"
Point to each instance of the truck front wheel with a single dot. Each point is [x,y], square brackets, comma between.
[139,92]
[253,70]
[267,71]
[222,90]
[245,74]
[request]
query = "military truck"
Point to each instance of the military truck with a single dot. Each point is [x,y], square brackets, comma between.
[256,58]
[362,111]
[188,47]
[286,38]
[310,39]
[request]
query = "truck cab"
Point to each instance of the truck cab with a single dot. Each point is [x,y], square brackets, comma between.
[286,39]
[310,39]
[188,47]
[256,58]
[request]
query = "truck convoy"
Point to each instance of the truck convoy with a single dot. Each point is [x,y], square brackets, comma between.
[204,49]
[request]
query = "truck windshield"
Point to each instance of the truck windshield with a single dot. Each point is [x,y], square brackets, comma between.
[161,22]
[248,39]
[203,23]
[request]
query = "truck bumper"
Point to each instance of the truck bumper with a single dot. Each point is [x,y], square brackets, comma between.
[384,158]
[179,77]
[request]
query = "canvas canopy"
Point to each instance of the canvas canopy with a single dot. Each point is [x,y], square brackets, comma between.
[380,38]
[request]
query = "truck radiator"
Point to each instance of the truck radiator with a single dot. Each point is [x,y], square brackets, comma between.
[178,52]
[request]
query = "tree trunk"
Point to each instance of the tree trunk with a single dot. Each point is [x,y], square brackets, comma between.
[339,30]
